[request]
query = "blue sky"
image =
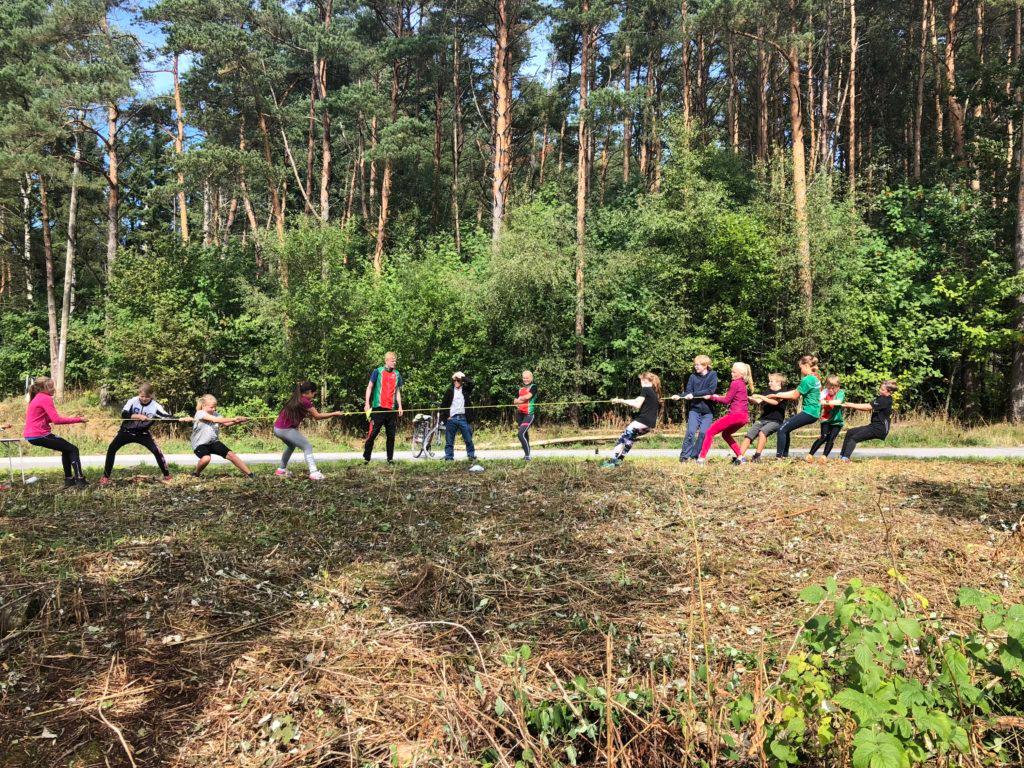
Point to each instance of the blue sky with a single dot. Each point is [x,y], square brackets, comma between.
[157,81]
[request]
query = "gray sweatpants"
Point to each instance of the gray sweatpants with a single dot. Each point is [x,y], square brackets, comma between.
[293,439]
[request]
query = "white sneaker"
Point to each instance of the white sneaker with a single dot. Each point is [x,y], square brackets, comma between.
[476,468]
[318,475]
[282,472]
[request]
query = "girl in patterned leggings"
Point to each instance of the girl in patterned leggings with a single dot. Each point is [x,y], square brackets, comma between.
[648,407]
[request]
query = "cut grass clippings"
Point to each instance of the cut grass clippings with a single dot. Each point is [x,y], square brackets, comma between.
[379,617]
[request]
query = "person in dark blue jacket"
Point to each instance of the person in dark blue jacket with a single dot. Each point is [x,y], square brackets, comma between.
[702,382]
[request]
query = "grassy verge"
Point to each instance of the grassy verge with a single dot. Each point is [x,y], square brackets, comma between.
[546,614]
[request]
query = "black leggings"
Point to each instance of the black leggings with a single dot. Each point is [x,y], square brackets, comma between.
[144,439]
[829,433]
[859,435]
[388,419]
[69,455]
[525,422]
[801,419]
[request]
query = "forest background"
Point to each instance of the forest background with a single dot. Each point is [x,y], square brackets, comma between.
[229,196]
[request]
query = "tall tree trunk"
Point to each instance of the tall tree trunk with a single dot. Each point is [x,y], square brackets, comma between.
[326,156]
[1017,388]
[373,164]
[953,105]
[796,123]
[276,204]
[26,221]
[732,104]
[350,200]
[502,116]
[627,117]
[684,64]
[179,148]
[385,184]
[851,151]
[582,174]
[762,98]
[435,182]
[650,129]
[457,136]
[69,270]
[311,137]
[207,213]
[250,214]
[922,53]
[824,137]
[812,118]
[978,111]
[700,108]
[51,298]
[113,188]
[940,132]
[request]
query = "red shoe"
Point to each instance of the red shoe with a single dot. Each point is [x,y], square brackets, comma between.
[104,481]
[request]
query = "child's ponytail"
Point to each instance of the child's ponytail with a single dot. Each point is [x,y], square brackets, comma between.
[810,361]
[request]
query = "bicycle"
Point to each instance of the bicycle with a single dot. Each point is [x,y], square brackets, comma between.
[426,434]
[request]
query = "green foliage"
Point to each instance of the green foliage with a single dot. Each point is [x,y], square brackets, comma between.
[869,681]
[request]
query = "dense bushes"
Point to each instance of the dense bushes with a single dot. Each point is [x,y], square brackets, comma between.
[912,290]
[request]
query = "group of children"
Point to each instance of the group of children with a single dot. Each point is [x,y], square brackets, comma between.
[820,402]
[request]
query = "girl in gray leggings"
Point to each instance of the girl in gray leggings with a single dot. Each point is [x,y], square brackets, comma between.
[286,428]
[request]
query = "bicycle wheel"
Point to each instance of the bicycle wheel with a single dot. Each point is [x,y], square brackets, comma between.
[433,446]
[419,439]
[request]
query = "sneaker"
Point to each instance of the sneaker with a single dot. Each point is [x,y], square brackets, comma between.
[737,460]
[809,458]
[476,468]
[81,482]
[610,463]
[104,481]
[318,475]
[844,458]
[69,482]
[527,458]
[684,459]
[250,476]
[701,461]
[281,472]
[756,458]
[166,480]
[823,460]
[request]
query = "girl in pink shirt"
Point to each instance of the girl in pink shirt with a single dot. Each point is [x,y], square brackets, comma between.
[39,415]
[286,428]
[737,415]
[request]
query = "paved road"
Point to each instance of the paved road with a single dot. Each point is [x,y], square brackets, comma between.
[187,459]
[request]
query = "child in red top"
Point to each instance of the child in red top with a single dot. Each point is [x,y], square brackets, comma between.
[286,428]
[737,416]
[39,415]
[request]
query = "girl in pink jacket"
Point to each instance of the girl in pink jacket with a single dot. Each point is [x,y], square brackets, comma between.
[39,415]
[737,415]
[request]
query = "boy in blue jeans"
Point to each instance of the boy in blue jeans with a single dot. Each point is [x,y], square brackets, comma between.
[702,382]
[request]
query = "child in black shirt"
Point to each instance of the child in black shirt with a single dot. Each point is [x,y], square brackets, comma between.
[648,407]
[881,415]
[773,413]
